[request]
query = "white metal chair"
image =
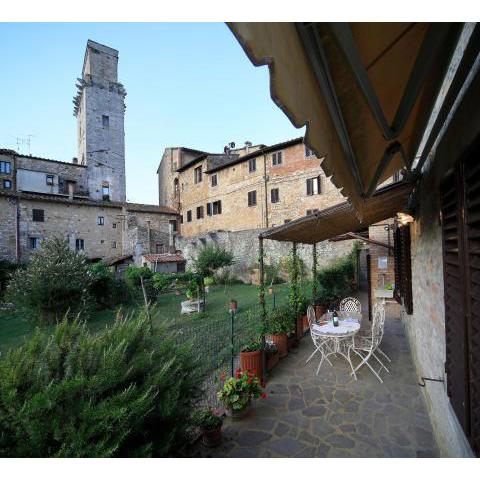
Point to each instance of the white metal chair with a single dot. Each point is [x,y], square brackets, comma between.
[319,343]
[350,305]
[366,346]
[380,306]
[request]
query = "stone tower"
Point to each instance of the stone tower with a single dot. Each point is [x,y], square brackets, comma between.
[100,110]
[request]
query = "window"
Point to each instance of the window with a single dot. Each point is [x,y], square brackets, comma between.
[252,198]
[79,244]
[209,209]
[34,243]
[200,212]
[313,186]
[189,216]
[102,241]
[5,167]
[274,195]
[277,158]
[312,211]
[217,207]
[114,244]
[173,223]
[7,184]
[114,225]
[403,272]
[100,220]
[308,152]
[50,179]
[181,219]
[159,248]
[105,121]
[197,175]
[106,192]
[38,215]
[252,165]
[214,180]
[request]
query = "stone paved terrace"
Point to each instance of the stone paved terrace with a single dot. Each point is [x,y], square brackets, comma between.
[332,415]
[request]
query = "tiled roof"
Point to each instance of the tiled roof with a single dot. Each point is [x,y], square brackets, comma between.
[163,257]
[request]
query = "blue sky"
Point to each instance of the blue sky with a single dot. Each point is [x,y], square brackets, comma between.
[187,84]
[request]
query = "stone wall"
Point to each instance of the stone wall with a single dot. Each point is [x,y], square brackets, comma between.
[244,246]
[426,326]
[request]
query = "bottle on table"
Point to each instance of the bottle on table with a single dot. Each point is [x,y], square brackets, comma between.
[335,318]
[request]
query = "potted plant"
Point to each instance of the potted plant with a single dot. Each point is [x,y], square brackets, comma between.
[272,356]
[210,424]
[233,305]
[251,359]
[237,393]
[279,325]
[302,320]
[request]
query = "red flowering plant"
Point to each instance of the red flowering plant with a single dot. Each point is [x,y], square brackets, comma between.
[238,391]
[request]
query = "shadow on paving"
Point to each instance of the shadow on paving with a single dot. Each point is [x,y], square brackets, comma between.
[332,415]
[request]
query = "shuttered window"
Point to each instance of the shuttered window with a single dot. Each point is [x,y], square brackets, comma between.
[403,267]
[460,214]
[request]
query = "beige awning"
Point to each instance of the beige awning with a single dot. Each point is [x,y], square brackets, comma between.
[363,90]
[342,218]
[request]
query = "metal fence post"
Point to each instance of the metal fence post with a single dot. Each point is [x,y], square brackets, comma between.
[232,321]
[314,272]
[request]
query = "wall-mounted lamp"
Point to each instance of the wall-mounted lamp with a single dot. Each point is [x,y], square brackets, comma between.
[404,218]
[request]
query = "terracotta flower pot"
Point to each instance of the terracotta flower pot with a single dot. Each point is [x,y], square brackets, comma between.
[272,361]
[253,362]
[281,342]
[237,414]
[299,328]
[320,310]
[212,438]
[233,305]
[270,290]
[305,324]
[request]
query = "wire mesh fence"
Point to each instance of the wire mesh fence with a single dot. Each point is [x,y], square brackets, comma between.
[216,342]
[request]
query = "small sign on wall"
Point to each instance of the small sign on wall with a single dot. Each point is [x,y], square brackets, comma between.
[382,262]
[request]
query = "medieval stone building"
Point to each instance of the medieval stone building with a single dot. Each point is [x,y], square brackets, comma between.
[250,188]
[83,200]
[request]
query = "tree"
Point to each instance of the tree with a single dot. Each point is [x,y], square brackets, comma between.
[53,284]
[211,258]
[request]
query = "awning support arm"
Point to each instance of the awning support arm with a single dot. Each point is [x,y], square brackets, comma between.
[343,36]
[471,52]
[369,240]
[389,153]
[434,40]
[314,50]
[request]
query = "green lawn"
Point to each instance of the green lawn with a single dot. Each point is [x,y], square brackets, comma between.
[208,330]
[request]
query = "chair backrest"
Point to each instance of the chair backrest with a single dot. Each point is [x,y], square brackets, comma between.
[378,324]
[351,305]
[311,316]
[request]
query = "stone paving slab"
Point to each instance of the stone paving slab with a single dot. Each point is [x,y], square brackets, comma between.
[332,415]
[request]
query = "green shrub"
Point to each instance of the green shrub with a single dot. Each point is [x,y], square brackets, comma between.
[208,281]
[133,276]
[106,290]
[211,258]
[163,282]
[280,320]
[7,269]
[55,282]
[272,275]
[337,280]
[121,392]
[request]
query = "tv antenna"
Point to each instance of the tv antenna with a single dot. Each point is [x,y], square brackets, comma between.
[228,148]
[24,142]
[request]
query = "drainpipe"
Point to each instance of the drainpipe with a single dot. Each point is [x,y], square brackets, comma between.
[149,237]
[265,179]
[17,231]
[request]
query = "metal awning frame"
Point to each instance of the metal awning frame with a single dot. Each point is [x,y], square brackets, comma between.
[434,40]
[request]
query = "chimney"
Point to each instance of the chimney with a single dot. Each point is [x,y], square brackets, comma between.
[248,146]
[171,238]
[75,160]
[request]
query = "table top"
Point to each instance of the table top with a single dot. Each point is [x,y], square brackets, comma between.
[347,326]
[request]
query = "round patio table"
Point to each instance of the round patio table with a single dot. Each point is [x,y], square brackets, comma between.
[337,339]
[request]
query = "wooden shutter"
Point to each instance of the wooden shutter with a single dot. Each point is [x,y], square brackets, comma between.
[471,175]
[403,268]
[454,285]
[309,186]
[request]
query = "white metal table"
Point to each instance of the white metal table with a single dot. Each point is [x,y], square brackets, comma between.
[337,339]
